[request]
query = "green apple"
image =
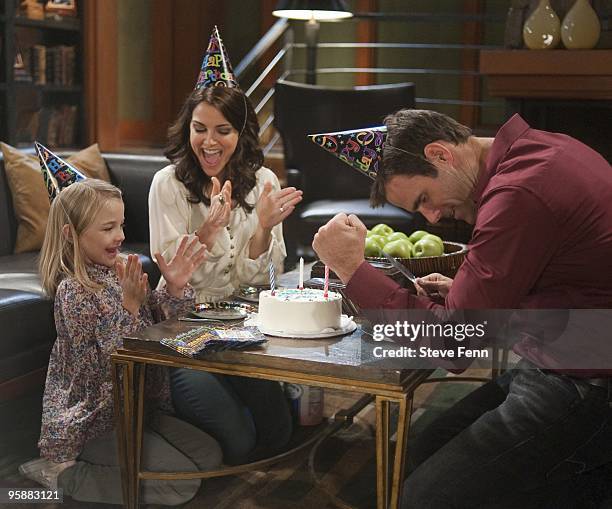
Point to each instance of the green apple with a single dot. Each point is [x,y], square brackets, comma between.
[383,229]
[380,239]
[397,236]
[427,247]
[400,248]
[436,238]
[373,245]
[417,235]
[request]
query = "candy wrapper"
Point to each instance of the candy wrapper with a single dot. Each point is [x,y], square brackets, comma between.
[201,340]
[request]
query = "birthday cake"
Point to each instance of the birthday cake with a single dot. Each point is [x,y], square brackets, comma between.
[294,311]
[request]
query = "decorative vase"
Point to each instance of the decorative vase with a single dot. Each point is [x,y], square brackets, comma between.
[542,29]
[580,28]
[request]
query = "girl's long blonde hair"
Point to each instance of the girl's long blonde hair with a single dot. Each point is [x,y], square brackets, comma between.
[61,255]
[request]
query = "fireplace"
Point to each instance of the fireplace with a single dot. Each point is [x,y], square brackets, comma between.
[588,121]
[556,90]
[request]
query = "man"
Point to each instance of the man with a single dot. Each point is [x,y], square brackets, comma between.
[541,205]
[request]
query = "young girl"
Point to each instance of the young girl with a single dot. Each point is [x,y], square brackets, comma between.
[98,300]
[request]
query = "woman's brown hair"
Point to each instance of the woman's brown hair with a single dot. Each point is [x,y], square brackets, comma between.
[246,159]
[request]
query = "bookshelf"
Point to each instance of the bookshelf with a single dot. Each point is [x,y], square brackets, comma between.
[41,78]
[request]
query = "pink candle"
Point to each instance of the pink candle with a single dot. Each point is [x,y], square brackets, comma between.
[326,285]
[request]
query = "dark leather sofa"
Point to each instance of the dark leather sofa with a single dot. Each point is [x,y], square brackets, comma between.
[27,328]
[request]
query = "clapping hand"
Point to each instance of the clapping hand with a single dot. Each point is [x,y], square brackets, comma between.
[274,206]
[218,214]
[179,270]
[133,283]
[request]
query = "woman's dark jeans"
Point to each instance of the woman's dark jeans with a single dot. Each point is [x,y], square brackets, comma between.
[249,417]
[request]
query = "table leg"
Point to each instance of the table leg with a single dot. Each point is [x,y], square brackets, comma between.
[138,422]
[403,426]
[382,452]
[128,407]
[123,391]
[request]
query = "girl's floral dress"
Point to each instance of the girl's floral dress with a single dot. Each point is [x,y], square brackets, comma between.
[78,398]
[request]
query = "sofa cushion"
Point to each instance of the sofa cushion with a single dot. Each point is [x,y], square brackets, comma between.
[29,194]
[28,332]
[133,174]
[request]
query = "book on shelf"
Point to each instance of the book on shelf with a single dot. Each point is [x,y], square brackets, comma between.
[57,125]
[51,65]
[39,64]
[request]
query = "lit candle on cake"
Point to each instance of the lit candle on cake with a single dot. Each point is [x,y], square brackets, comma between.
[272,281]
[326,284]
[301,283]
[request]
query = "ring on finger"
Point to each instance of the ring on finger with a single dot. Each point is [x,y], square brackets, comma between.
[221,199]
[282,209]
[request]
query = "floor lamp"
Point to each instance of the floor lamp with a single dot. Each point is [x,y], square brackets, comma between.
[312,11]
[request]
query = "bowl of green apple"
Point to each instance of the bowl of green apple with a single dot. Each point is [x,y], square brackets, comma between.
[420,251]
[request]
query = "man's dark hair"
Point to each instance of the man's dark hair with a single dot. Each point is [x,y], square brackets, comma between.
[408,132]
[246,159]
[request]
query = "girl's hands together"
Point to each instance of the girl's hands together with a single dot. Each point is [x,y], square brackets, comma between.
[177,273]
[133,282]
[274,206]
[218,214]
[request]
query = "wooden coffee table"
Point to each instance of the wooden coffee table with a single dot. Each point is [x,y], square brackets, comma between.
[343,363]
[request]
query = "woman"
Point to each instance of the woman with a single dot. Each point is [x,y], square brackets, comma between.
[217,189]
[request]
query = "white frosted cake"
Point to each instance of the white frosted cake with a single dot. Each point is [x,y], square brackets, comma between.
[294,311]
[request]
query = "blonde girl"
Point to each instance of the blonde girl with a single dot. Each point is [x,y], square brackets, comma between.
[98,299]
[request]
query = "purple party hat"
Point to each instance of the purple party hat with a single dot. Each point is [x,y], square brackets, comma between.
[360,148]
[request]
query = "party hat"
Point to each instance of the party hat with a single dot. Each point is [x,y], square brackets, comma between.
[57,173]
[216,70]
[360,148]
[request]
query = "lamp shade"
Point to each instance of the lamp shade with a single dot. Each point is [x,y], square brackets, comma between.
[320,10]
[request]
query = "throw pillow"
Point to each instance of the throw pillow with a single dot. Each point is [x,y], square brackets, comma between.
[30,198]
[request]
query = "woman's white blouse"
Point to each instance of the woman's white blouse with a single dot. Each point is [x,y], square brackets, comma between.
[227,264]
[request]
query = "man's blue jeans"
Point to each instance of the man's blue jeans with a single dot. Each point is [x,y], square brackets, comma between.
[508,442]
